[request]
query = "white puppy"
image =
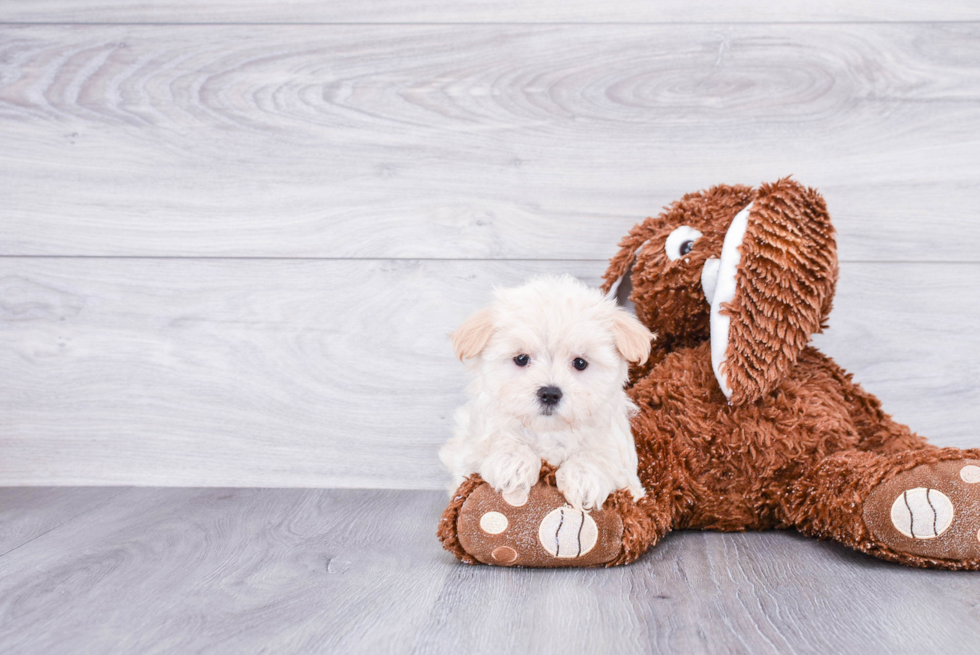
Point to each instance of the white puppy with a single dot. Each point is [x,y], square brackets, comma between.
[549,361]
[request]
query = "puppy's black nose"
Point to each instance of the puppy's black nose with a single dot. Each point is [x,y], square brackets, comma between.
[549,396]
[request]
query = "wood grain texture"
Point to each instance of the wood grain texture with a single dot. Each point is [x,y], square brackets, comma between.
[233,571]
[474,11]
[259,571]
[339,373]
[26,513]
[422,141]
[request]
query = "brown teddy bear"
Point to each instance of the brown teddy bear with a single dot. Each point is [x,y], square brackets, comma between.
[742,425]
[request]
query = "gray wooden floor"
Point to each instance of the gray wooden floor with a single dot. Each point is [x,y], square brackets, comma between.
[145,570]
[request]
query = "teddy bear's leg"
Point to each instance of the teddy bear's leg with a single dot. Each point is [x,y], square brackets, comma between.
[480,526]
[919,507]
[878,432]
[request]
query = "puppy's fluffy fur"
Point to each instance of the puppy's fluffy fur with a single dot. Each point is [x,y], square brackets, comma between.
[507,428]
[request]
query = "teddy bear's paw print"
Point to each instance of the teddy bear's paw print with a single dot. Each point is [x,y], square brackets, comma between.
[932,510]
[922,513]
[544,531]
[568,533]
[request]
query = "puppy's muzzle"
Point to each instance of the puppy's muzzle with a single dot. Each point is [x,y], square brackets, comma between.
[549,397]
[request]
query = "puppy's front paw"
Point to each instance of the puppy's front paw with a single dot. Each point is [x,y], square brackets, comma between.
[512,473]
[584,486]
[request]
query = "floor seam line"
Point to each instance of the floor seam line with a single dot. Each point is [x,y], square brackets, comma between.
[67,521]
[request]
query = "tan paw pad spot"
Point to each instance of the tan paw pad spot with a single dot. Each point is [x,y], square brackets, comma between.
[504,554]
[515,498]
[970,474]
[922,513]
[493,522]
[568,533]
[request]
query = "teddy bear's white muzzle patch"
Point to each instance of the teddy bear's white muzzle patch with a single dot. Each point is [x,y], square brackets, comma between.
[709,278]
[721,283]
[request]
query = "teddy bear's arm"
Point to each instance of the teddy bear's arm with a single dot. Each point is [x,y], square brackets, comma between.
[480,526]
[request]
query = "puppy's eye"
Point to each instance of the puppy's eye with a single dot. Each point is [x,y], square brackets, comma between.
[680,242]
[579,363]
[522,360]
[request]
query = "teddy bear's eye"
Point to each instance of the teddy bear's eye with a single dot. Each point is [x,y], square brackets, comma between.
[680,242]
[579,364]
[522,360]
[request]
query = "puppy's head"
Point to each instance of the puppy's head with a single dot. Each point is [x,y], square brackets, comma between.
[552,353]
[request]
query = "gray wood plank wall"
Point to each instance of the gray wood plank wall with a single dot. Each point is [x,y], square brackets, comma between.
[477,11]
[230,253]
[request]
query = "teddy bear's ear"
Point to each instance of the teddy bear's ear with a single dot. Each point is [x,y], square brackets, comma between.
[774,289]
[472,336]
[617,283]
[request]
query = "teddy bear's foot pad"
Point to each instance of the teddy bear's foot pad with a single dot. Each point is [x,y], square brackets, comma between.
[544,531]
[932,510]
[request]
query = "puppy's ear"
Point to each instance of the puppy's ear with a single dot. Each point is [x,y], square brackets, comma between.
[472,336]
[631,337]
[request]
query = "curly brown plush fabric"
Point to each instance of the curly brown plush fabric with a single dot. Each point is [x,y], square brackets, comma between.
[786,285]
[448,533]
[793,441]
